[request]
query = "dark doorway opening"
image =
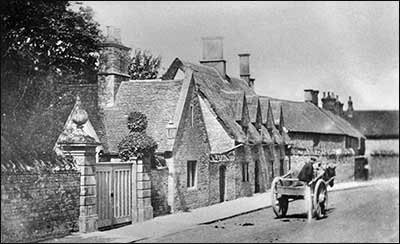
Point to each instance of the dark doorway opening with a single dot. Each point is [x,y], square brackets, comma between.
[256,176]
[222,171]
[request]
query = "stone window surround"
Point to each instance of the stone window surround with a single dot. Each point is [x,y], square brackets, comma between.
[245,172]
[191,168]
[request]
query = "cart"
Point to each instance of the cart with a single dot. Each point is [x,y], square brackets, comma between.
[285,189]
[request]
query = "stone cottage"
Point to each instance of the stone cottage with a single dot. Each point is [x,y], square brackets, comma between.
[217,139]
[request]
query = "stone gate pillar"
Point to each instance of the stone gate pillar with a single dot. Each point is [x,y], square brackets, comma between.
[82,147]
[144,210]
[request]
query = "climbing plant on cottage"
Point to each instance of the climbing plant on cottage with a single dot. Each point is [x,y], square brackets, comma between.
[137,143]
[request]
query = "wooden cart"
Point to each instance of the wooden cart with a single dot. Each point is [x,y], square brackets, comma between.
[285,189]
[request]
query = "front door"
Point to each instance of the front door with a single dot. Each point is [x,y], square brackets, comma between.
[222,170]
[256,177]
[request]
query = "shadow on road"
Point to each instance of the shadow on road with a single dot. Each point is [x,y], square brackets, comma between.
[288,217]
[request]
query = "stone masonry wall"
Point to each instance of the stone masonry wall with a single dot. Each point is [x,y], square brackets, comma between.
[38,205]
[159,191]
[313,141]
[192,144]
[244,155]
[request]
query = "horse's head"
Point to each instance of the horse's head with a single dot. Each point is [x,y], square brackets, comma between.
[330,172]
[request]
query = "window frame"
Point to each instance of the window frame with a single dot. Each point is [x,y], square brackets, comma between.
[191,174]
[245,172]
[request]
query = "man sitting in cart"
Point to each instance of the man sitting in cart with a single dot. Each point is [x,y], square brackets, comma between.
[311,169]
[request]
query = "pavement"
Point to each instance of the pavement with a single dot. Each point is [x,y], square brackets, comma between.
[173,223]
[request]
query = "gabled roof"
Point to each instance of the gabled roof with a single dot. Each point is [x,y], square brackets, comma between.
[344,125]
[254,135]
[157,99]
[376,123]
[219,140]
[302,116]
[284,132]
[223,96]
[270,125]
[266,137]
[223,100]
[252,103]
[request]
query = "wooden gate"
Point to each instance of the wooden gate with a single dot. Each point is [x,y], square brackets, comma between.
[114,193]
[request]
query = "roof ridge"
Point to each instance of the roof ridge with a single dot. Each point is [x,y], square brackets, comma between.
[279,99]
[152,81]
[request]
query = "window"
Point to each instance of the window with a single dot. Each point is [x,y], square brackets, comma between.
[191,173]
[347,142]
[316,140]
[245,172]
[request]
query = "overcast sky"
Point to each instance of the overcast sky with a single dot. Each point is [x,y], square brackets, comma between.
[349,48]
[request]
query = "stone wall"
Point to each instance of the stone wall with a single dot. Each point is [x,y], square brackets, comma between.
[39,204]
[191,145]
[315,141]
[381,166]
[376,145]
[159,191]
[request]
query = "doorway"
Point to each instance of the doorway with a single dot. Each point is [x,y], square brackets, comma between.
[256,176]
[222,171]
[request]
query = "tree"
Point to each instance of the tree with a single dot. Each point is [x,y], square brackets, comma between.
[137,143]
[144,65]
[43,43]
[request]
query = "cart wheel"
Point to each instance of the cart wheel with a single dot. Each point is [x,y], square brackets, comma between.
[320,199]
[280,203]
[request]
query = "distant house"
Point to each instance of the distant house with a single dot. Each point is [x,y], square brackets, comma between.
[381,128]
[217,137]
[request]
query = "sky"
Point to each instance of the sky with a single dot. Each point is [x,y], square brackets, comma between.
[349,48]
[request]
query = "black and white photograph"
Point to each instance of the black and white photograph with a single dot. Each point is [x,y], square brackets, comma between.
[199,121]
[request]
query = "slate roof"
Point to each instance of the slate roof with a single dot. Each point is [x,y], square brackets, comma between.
[156,99]
[344,125]
[306,117]
[376,123]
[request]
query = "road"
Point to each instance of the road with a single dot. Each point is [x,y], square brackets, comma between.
[368,214]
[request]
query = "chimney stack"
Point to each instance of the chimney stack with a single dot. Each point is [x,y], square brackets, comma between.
[329,102]
[113,67]
[350,108]
[311,95]
[213,54]
[338,106]
[113,35]
[244,67]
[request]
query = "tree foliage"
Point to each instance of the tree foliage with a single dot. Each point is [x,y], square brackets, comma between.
[144,65]
[137,143]
[137,122]
[43,43]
